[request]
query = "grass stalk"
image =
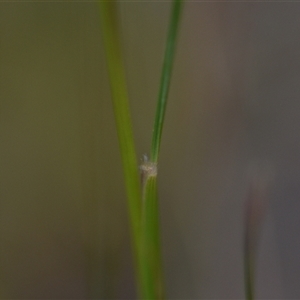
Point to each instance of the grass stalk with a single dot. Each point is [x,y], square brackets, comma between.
[111,38]
[151,246]
[144,217]
[151,249]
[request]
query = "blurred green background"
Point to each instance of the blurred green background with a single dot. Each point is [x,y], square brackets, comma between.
[234,103]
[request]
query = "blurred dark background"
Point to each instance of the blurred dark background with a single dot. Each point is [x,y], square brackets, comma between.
[234,104]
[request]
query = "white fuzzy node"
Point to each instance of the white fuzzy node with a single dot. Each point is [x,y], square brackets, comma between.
[149,168]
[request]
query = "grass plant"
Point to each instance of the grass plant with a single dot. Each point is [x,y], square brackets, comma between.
[142,196]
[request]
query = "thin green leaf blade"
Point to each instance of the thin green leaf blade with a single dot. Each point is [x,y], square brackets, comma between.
[165,79]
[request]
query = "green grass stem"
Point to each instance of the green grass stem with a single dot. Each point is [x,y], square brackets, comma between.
[151,249]
[151,246]
[110,29]
[144,217]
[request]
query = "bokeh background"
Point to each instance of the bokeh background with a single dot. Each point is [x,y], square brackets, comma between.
[234,105]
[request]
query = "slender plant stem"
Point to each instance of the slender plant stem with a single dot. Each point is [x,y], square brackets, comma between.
[165,79]
[145,219]
[151,250]
[151,246]
[110,28]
